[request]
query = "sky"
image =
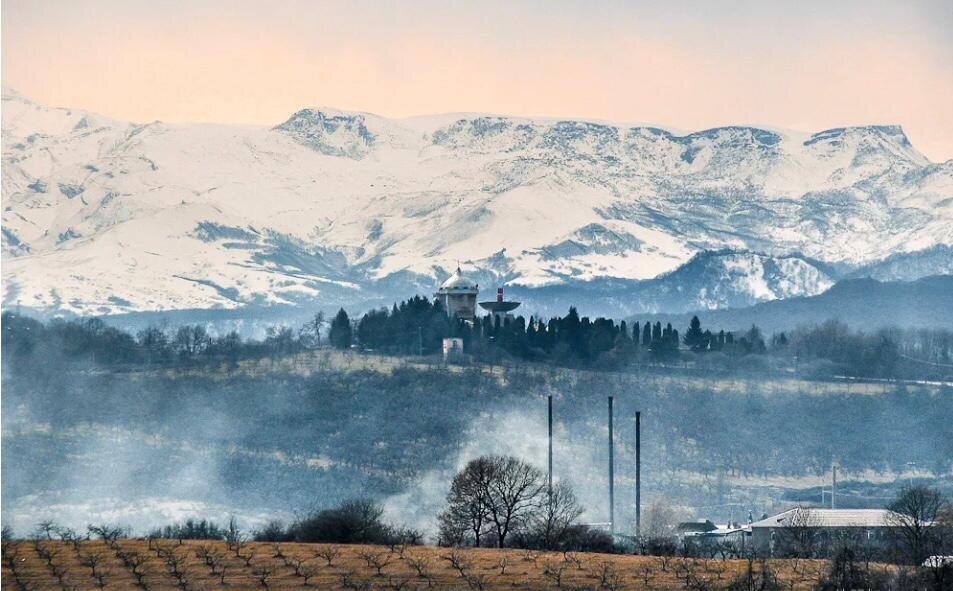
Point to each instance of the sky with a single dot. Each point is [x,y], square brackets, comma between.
[807,65]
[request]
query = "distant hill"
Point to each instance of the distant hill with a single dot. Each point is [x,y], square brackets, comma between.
[860,303]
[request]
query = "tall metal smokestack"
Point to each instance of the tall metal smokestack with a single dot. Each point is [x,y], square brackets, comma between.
[550,448]
[833,482]
[611,477]
[638,473]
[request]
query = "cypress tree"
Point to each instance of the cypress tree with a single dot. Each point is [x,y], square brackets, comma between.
[340,334]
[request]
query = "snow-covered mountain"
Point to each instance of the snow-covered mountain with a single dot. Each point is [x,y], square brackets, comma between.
[330,207]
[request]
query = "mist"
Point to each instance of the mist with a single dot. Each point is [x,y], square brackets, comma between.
[144,447]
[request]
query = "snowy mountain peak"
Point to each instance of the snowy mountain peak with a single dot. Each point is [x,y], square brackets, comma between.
[349,208]
[331,131]
[893,133]
[868,144]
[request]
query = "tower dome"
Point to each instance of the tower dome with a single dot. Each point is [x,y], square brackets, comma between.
[459,282]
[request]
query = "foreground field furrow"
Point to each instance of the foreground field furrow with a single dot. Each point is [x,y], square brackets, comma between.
[193,565]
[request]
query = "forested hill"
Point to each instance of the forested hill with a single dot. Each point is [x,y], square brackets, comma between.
[417,327]
[279,433]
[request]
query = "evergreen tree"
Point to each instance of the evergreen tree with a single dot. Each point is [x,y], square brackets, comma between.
[755,340]
[695,339]
[719,342]
[340,334]
[647,334]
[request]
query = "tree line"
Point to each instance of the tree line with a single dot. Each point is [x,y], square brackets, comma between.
[417,326]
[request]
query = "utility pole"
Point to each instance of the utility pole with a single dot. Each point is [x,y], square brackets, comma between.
[638,473]
[611,477]
[550,450]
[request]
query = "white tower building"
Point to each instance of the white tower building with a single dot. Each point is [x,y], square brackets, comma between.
[458,295]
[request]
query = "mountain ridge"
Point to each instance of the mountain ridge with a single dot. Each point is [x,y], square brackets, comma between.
[338,201]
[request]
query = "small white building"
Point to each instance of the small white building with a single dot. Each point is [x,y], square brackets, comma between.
[452,349]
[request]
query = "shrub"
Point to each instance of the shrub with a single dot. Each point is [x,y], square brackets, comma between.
[356,521]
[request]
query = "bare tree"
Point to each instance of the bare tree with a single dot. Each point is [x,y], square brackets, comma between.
[222,572]
[530,555]
[912,518]
[502,564]
[799,535]
[175,562]
[135,561]
[263,575]
[421,566]
[375,560]
[466,518]
[46,529]
[328,553]
[47,553]
[573,559]
[233,534]
[608,577]
[492,493]
[477,582]
[204,551]
[552,523]
[554,572]
[248,557]
[310,333]
[92,561]
[660,520]
[458,561]
[107,533]
[306,572]
[513,494]
[70,536]
[349,579]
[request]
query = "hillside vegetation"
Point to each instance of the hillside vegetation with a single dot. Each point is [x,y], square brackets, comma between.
[277,432]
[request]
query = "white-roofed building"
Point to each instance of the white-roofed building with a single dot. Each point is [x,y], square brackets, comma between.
[861,525]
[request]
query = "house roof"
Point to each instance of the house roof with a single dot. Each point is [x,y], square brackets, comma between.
[725,531]
[819,517]
[697,526]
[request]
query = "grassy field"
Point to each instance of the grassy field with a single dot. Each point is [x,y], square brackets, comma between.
[657,376]
[169,564]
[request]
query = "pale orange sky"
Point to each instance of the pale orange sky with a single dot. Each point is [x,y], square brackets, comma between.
[810,66]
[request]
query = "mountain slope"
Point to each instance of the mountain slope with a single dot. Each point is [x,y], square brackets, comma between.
[102,216]
[864,304]
[907,266]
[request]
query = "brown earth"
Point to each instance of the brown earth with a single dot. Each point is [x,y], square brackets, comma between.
[194,565]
